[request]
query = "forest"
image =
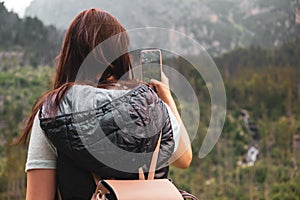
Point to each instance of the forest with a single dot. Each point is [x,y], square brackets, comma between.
[28,39]
[263,94]
[220,25]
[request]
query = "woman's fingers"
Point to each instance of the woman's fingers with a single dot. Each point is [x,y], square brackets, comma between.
[159,85]
[161,89]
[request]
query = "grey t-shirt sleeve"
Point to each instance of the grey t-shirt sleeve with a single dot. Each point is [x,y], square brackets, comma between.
[41,155]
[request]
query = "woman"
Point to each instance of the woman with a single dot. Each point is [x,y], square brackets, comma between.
[51,163]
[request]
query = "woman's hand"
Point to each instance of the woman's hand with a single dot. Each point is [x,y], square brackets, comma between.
[162,89]
[182,157]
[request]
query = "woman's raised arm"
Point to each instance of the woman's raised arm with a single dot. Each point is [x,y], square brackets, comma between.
[182,157]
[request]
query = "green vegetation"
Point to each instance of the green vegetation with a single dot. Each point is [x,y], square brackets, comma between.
[266,83]
[270,94]
[19,88]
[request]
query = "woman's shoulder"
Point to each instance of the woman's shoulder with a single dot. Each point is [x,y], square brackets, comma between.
[78,98]
[80,92]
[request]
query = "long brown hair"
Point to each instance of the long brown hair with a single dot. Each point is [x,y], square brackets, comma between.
[87,30]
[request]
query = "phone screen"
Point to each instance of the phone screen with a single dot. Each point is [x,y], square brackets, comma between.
[151,61]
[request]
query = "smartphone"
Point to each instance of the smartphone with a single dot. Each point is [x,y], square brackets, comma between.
[151,62]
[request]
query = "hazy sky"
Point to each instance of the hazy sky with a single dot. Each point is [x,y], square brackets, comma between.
[17,6]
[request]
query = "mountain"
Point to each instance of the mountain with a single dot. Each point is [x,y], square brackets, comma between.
[218,25]
[26,41]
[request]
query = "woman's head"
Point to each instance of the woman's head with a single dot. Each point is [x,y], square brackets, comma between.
[89,29]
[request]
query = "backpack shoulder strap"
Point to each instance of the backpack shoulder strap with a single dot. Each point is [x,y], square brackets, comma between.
[154,159]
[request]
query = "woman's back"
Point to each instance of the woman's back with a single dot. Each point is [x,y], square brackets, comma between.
[108,132]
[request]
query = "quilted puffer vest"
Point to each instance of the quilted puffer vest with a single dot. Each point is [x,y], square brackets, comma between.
[111,137]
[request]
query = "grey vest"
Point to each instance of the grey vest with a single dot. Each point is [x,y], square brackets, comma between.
[106,136]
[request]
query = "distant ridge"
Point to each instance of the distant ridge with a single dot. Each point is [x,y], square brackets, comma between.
[26,38]
[218,25]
